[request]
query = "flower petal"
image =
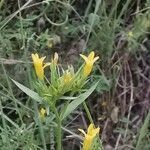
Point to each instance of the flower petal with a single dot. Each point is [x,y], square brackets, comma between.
[91,56]
[42,58]
[46,64]
[90,128]
[95,59]
[84,57]
[36,55]
[33,56]
[56,57]
[97,130]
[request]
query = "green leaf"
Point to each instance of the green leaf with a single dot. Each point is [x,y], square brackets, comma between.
[67,98]
[90,19]
[29,92]
[76,102]
[143,131]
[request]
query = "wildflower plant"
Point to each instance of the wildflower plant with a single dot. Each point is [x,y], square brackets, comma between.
[61,85]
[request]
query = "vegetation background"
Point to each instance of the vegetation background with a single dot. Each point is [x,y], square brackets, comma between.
[118,31]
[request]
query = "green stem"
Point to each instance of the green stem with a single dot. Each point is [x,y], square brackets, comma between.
[58,134]
[88,112]
[58,130]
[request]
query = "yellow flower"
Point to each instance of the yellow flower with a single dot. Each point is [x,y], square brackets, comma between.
[49,43]
[88,139]
[55,60]
[130,34]
[67,77]
[89,61]
[42,113]
[39,66]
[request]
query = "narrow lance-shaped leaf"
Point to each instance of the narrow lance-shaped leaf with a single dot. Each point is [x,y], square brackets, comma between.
[29,92]
[143,132]
[77,101]
[67,98]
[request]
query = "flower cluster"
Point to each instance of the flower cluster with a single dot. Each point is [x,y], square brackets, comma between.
[61,81]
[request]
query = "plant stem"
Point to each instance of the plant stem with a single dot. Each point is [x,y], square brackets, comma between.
[58,130]
[58,134]
[88,112]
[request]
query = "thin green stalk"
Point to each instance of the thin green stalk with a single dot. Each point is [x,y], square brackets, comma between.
[58,129]
[4,123]
[59,134]
[1,3]
[98,3]
[88,8]
[21,25]
[88,112]
[114,9]
[125,7]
